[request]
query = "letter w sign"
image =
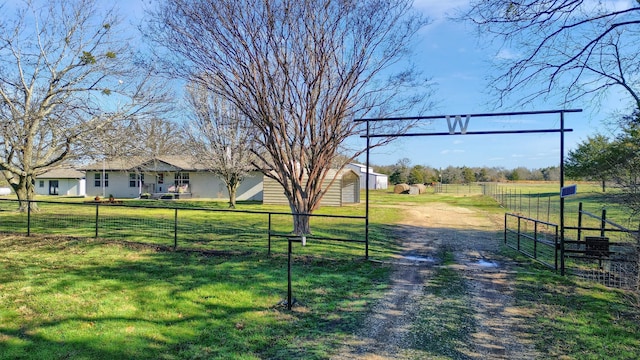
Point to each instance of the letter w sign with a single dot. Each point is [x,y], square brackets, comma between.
[457,121]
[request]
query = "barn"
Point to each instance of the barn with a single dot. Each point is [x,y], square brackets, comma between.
[377,181]
[345,190]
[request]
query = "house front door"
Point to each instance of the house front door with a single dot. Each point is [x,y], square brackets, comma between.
[53,187]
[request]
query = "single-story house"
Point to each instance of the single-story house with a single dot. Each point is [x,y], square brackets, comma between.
[377,181]
[62,181]
[345,190]
[176,175]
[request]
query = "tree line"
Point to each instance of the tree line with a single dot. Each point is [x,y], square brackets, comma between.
[613,160]
[403,172]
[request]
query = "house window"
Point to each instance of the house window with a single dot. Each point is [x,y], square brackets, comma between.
[41,183]
[98,180]
[134,178]
[181,178]
[160,178]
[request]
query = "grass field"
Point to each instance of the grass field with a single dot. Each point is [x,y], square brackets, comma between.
[72,298]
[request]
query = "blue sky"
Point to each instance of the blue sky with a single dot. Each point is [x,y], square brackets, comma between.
[459,64]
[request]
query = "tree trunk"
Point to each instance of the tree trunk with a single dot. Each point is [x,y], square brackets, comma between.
[301,210]
[233,190]
[301,224]
[603,185]
[25,191]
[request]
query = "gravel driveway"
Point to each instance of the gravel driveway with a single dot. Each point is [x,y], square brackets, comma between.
[472,237]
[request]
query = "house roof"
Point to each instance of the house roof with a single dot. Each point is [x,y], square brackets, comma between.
[363,169]
[62,173]
[180,162]
[333,173]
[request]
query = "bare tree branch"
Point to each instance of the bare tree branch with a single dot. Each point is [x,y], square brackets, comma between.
[577,48]
[301,71]
[65,75]
[220,137]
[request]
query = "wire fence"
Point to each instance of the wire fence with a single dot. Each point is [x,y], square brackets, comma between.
[603,251]
[459,189]
[539,206]
[596,249]
[175,227]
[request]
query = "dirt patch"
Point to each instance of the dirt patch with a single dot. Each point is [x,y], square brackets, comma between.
[471,238]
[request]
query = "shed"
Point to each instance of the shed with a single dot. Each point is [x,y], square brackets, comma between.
[377,181]
[345,190]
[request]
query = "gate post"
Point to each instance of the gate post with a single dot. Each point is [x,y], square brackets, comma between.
[579,221]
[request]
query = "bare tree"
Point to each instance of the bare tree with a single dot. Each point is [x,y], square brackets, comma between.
[65,74]
[220,137]
[581,48]
[301,71]
[156,137]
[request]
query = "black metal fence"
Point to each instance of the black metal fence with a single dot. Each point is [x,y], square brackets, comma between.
[601,250]
[597,249]
[181,227]
[534,238]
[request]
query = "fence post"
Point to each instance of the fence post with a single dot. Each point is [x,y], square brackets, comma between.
[519,221]
[175,229]
[603,223]
[549,209]
[535,239]
[269,237]
[556,252]
[520,201]
[97,217]
[28,217]
[505,228]
[579,221]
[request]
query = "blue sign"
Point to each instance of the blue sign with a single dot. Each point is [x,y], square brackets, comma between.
[568,190]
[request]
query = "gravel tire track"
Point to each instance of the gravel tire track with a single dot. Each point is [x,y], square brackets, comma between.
[425,231]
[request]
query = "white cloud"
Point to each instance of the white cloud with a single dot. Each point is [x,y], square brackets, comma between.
[451,151]
[438,9]
[611,5]
[506,54]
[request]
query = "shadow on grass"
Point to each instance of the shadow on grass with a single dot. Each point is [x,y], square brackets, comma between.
[580,320]
[88,299]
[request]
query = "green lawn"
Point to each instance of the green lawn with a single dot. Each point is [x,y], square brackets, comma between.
[580,320]
[86,299]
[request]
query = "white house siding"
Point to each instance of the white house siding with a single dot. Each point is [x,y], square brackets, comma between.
[118,185]
[61,181]
[202,184]
[66,187]
[207,185]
